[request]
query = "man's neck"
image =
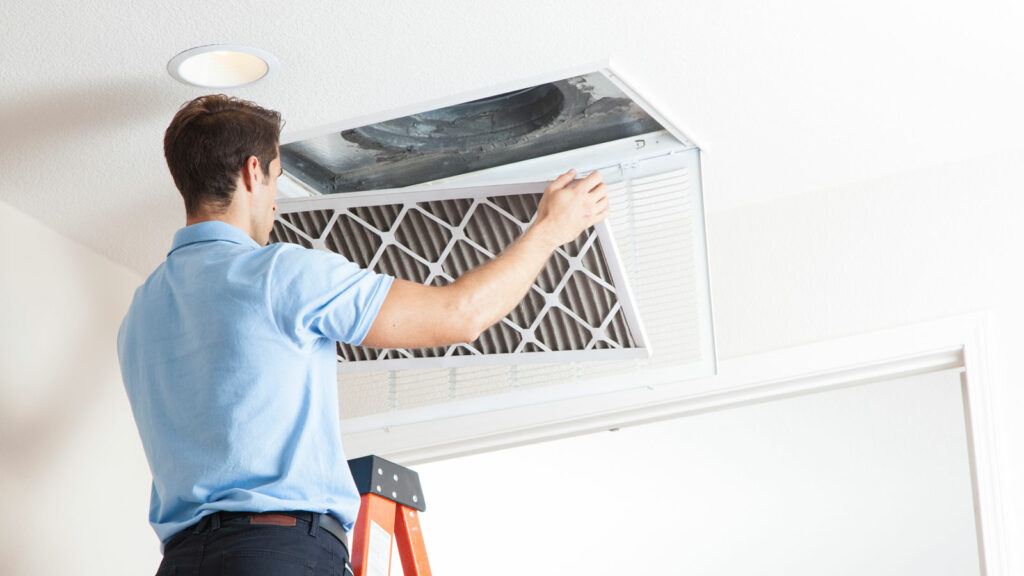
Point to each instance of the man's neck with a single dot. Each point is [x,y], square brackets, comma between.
[231,215]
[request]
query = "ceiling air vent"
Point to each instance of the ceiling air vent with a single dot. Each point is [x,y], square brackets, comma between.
[431,191]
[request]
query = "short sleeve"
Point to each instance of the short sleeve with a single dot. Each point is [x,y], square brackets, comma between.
[318,294]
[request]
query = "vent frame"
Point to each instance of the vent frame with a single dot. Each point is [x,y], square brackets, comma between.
[396,412]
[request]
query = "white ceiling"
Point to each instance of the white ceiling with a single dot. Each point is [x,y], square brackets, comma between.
[784,97]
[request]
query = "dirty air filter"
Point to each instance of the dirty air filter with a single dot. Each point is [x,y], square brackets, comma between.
[578,308]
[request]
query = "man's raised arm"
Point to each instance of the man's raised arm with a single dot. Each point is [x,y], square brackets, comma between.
[416,316]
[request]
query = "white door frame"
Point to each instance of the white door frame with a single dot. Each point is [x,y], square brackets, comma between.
[960,342]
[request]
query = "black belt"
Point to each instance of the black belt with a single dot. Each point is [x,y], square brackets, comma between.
[325,521]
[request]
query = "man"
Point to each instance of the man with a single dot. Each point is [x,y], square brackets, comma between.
[228,350]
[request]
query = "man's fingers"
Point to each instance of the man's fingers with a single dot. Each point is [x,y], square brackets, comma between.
[591,181]
[597,211]
[563,180]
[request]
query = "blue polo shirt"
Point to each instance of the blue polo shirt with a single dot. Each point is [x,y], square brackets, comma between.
[228,357]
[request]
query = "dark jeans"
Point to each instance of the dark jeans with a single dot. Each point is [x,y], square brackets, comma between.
[228,545]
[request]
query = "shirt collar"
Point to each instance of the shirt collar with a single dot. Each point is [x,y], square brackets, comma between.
[209,231]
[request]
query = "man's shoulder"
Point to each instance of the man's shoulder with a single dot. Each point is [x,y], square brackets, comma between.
[293,254]
[290,262]
[155,278]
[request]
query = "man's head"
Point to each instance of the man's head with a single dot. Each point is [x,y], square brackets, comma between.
[210,145]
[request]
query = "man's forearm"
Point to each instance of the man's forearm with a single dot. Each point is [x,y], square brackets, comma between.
[415,316]
[493,289]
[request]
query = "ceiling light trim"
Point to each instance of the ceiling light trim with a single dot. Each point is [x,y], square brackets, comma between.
[176,64]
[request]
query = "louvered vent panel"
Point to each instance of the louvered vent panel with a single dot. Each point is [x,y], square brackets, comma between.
[652,224]
[575,306]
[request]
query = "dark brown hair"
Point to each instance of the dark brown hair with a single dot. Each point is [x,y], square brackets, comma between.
[208,143]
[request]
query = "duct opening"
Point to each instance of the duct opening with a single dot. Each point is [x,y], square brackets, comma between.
[500,118]
[469,137]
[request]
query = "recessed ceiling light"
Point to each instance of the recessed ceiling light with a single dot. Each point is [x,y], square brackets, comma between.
[222,66]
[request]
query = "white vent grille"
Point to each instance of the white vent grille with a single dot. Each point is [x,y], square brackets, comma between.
[578,304]
[656,230]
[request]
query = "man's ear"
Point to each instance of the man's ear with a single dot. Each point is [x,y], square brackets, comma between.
[251,173]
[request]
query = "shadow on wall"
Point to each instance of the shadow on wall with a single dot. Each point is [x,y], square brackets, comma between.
[88,161]
[61,309]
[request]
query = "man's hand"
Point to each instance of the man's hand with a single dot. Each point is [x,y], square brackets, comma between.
[415,316]
[569,207]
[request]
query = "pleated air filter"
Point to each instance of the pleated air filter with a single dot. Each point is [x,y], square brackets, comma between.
[578,308]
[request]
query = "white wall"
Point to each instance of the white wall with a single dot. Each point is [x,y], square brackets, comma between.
[72,471]
[881,254]
[871,479]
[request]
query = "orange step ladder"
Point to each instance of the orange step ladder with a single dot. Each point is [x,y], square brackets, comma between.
[391,500]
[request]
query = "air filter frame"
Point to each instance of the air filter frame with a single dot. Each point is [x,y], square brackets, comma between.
[603,242]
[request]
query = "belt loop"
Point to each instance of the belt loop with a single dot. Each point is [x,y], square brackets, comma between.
[216,521]
[314,523]
[200,525]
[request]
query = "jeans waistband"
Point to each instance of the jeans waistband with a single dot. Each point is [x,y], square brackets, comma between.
[312,520]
